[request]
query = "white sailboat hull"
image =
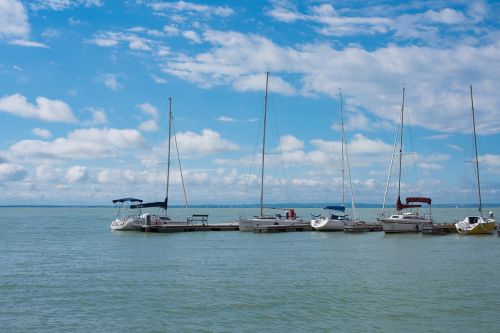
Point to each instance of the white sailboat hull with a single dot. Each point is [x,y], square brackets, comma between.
[326,224]
[475,225]
[127,224]
[249,224]
[404,224]
[134,222]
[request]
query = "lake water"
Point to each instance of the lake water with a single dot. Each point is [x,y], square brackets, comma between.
[63,269]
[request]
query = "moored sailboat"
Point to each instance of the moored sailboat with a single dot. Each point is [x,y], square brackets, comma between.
[127,220]
[406,221]
[337,219]
[476,224]
[248,224]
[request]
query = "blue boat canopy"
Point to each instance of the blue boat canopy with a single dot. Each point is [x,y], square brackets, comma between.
[159,204]
[127,199]
[340,208]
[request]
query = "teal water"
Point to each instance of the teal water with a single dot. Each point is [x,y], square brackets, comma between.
[63,270]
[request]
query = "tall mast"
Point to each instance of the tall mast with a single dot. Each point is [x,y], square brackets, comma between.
[343,169]
[401,145]
[347,159]
[168,155]
[476,161]
[263,149]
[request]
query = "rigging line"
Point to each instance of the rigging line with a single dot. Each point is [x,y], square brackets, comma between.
[344,145]
[382,214]
[280,151]
[416,176]
[180,167]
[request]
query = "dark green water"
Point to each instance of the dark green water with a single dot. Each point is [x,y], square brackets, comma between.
[63,270]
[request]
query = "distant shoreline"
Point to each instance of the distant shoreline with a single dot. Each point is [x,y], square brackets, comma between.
[271,206]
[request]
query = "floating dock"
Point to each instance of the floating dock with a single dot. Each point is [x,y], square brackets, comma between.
[189,228]
[439,229]
[283,228]
[363,227]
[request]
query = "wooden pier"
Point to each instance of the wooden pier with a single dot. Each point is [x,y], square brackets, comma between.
[189,228]
[282,228]
[439,229]
[363,227]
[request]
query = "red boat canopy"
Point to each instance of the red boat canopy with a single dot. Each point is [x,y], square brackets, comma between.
[418,199]
[401,206]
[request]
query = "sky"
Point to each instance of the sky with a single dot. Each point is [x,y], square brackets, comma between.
[85,88]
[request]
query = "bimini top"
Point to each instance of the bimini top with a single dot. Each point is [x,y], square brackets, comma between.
[340,208]
[127,199]
[159,204]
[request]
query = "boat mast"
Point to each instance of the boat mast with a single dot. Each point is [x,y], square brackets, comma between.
[168,155]
[476,161]
[347,159]
[342,134]
[263,149]
[401,146]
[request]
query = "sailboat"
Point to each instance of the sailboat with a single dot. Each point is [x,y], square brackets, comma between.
[406,221]
[477,224]
[337,219]
[129,215]
[290,218]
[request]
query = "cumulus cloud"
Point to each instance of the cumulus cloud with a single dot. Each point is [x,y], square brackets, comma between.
[91,143]
[290,143]
[192,36]
[148,109]
[207,142]
[45,109]
[63,4]
[14,20]
[98,117]
[12,172]
[148,126]
[193,8]
[439,92]
[76,174]
[42,133]
[225,119]
[110,80]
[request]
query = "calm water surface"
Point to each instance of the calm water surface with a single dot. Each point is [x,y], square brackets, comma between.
[62,269]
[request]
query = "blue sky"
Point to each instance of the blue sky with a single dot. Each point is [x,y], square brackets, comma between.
[85,85]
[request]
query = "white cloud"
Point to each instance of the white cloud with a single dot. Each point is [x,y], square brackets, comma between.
[98,117]
[27,43]
[492,162]
[225,119]
[439,92]
[208,142]
[148,126]
[455,147]
[91,143]
[76,174]
[63,4]
[184,6]
[110,80]
[430,166]
[45,109]
[158,79]
[42,132]
[14,20]
[12,172]
[192,36]
[290,143]
[148,109]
